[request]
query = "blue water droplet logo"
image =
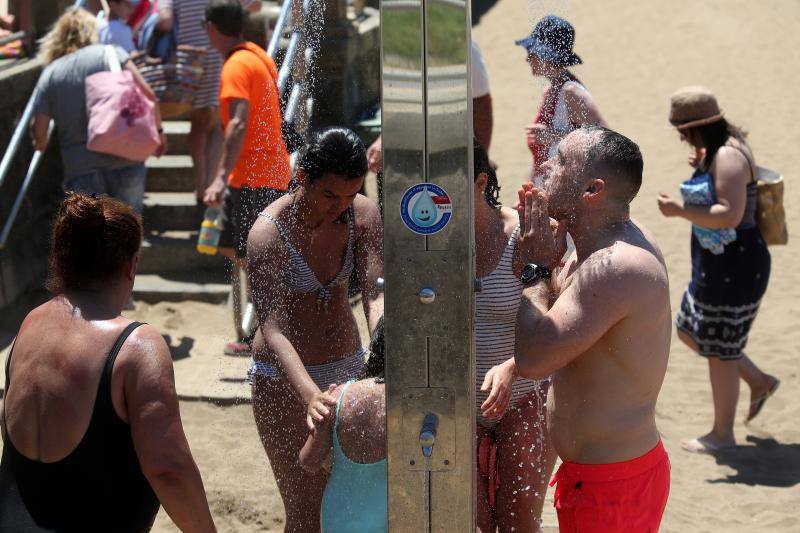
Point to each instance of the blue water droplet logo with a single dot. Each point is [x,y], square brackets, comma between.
[424,212]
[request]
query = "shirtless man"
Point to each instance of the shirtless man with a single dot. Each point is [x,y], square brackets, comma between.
[601,329]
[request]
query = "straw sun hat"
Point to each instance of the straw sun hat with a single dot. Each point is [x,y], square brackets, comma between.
[693,106]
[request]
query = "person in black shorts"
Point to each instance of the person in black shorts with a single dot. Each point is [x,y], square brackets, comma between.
[255,169]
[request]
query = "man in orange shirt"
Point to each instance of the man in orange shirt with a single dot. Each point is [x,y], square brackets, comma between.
[254,170]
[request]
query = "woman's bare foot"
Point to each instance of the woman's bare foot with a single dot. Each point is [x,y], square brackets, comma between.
[759,396]
[710,444]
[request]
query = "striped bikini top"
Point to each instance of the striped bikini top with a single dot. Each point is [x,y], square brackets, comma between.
[300,278]
[496,308]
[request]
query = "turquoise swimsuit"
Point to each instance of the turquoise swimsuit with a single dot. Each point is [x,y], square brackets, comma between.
[356,494]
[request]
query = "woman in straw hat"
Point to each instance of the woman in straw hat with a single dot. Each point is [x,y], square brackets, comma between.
[566,104]
[730,260]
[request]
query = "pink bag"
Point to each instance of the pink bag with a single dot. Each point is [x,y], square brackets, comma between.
[122,119]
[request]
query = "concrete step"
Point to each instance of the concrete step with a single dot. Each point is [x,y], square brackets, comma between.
[198,286]
[177,132]
[171,211]
[175,251]
[170,173]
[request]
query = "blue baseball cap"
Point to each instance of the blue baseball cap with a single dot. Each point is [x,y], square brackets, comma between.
[552,39]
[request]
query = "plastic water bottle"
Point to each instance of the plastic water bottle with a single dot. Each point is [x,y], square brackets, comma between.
[210,230]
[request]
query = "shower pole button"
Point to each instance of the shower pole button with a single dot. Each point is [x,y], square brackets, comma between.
[427,295]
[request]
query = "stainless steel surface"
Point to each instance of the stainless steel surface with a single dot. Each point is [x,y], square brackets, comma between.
[286,66]
[293,106]
[12,37]
[280,27]
[427,295]
[427,137]
[16,137]
[417,404]
[427,434]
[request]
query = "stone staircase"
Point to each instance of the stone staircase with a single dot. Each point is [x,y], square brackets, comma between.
[170,268]
[174,278]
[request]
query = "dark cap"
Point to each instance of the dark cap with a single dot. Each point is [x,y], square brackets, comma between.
[552,39]
[227,15]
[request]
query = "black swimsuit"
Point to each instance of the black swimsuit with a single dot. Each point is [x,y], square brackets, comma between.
[98,487]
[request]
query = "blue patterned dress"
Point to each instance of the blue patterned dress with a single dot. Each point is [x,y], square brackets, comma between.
[730,271]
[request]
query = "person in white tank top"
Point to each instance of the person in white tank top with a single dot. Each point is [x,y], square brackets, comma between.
[514,456]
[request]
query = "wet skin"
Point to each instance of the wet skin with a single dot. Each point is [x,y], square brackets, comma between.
[296,331]
[603,329]
[521,434]
[58,359]
[602,405]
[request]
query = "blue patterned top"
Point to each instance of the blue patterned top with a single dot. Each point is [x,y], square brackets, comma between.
[699,190]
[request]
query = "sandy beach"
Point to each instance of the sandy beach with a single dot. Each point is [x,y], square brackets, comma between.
[635,55]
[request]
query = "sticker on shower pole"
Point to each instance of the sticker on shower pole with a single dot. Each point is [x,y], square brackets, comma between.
[426,208]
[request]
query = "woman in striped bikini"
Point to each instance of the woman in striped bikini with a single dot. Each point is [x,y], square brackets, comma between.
[301,252]
[514,456]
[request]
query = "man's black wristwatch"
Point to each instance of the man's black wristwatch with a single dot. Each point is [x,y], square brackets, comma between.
[532,273]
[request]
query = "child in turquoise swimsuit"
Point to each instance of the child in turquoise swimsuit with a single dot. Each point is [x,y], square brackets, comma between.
[353,444]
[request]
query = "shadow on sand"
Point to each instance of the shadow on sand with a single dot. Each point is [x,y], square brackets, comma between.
[768,463]
[480,8]
[182,350]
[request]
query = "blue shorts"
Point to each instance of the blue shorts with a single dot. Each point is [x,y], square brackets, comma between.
[125,184]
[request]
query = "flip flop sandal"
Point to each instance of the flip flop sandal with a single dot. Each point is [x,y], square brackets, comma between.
[758,404]
[696,446]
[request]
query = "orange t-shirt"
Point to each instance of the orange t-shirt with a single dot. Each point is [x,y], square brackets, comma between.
[250,74]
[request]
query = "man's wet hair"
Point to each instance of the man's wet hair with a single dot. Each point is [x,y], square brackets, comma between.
[227,15]
[611,154]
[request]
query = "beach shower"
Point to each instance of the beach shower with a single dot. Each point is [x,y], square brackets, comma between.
[429,264]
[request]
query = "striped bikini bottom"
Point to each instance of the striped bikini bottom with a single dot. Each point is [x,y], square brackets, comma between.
[339,371]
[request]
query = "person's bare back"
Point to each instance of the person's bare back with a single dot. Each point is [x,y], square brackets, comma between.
[602,409]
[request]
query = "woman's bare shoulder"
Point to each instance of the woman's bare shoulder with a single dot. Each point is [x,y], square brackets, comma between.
[264,231]
[366,213]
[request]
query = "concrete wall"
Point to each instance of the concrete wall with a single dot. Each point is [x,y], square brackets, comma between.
[347,70]
[23,261]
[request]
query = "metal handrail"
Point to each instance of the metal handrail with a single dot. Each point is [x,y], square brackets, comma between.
[12,37]
[292,106]
[16,137]
[297,104]
[288,61]
[280,25]
[11,151]
[37,157]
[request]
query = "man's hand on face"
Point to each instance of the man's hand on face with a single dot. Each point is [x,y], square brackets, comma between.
[539,242]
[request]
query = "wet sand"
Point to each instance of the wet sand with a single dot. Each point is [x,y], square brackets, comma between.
[635,56]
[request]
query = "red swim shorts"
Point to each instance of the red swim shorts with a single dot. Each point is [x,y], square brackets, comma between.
[629,496]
